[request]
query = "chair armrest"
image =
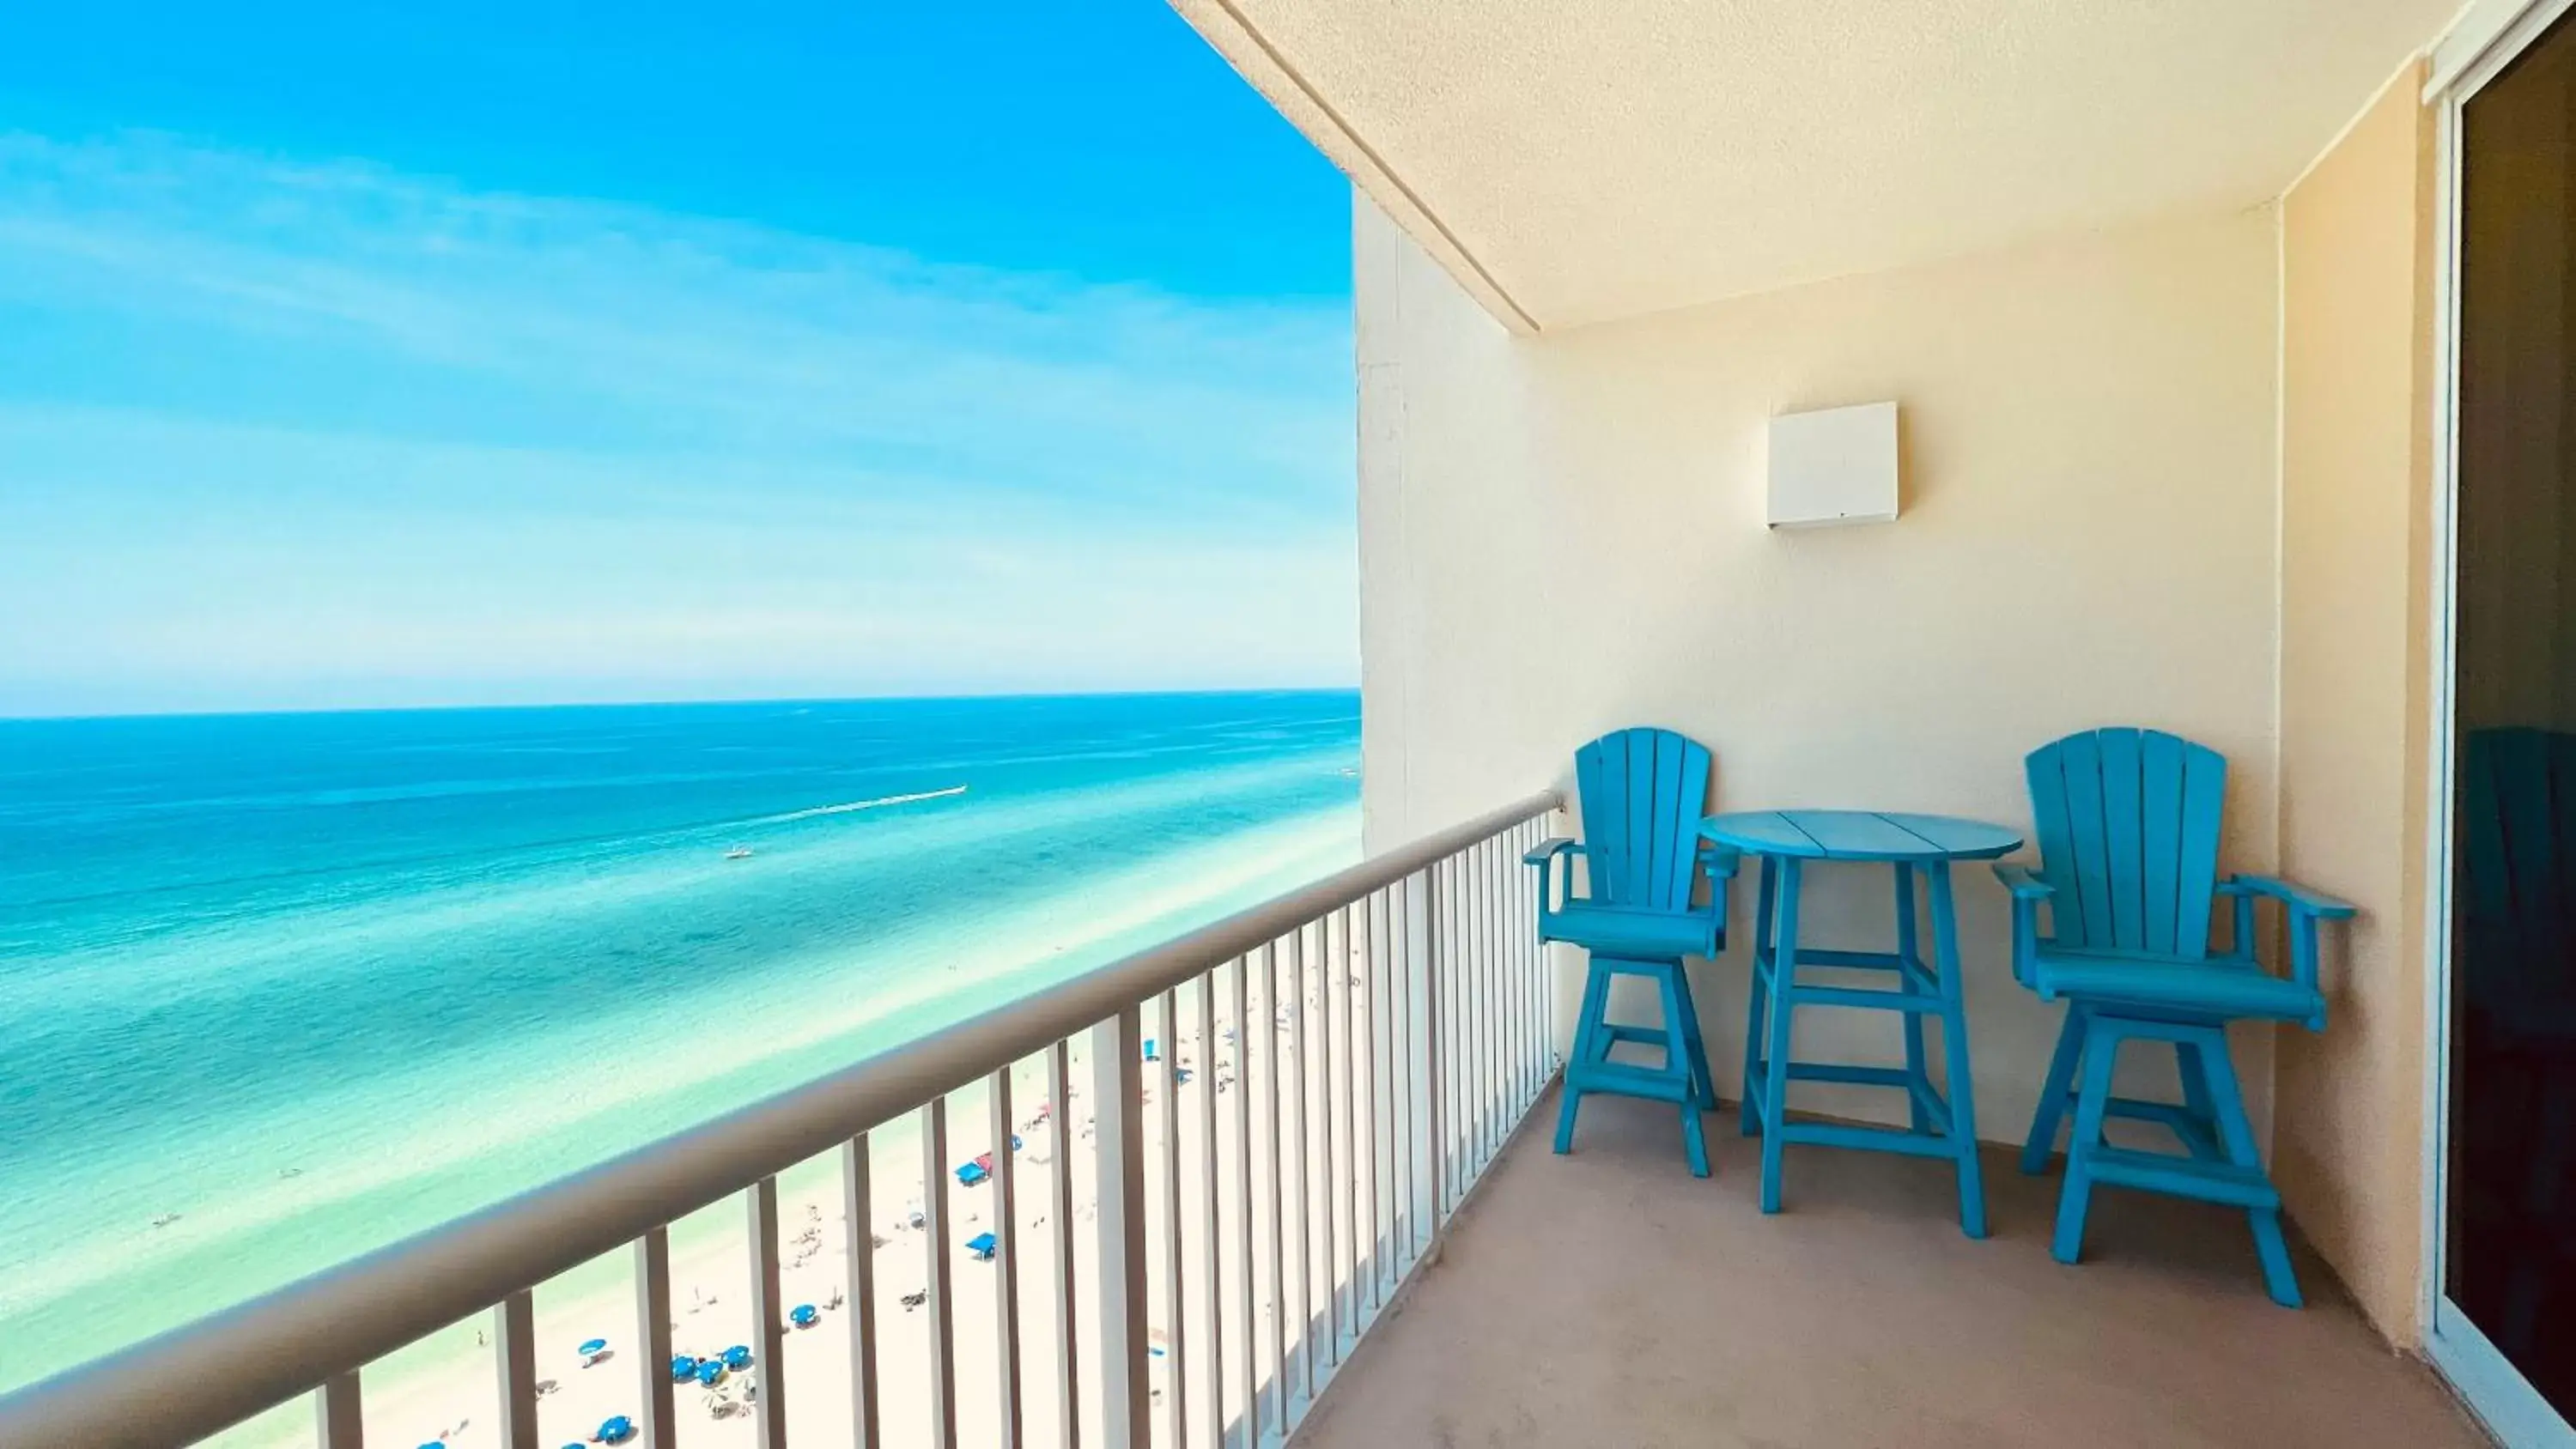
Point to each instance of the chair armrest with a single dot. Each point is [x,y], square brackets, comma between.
[2297,898]
[2023,885]
[1549,849]
[1720,861]
[2305,907]
[2028,891]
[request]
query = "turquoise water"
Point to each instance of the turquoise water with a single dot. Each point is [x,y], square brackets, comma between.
[275,990]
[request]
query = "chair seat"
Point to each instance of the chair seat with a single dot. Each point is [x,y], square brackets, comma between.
[2226,987]
[1629,931]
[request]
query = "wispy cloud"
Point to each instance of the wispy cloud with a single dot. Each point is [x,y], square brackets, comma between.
[308,433]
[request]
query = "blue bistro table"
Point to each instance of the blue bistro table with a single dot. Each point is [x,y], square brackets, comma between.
[1785,841]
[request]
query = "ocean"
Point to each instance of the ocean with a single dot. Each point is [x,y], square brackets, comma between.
[278,989]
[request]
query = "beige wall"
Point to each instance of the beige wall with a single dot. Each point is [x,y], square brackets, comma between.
[1562,535]
[2356,556]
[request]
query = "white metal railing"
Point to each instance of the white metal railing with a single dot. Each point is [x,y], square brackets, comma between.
[1186,1261]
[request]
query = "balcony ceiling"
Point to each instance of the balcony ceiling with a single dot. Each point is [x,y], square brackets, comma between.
[1577,162]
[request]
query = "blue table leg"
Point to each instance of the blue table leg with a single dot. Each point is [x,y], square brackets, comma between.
[1907,950]
[1784,1002]
[1954,1052]
[1748,1119]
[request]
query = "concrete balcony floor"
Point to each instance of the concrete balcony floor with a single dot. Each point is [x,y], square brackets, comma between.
[1610,1299]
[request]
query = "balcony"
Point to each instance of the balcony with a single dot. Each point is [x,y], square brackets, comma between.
[1364,1163]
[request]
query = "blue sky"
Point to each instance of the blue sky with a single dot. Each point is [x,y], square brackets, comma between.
[467,353]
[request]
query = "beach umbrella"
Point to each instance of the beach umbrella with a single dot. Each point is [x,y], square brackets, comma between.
[982,1245]
[738,1357]
[616,1430]
[684,1367]
[969,1174]
[804,1315]
[591,1349]
[711,1372]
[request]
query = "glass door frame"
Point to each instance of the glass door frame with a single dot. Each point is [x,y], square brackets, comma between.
[2489,37]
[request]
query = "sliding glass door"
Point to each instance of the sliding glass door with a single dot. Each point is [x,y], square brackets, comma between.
[2509,1248]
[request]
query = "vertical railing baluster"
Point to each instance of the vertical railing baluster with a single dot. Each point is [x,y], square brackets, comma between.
[859,1243]
[338,1422]
[1167,1122]
[1274,1023]
[1118,1090]
[1390,1095]
[936,1294]
[768,1317]
[1500,984]
[661,1422]
[1412,964]
[1434,1094]
[1524,915]
[1364,1110]
[1373,927]
[1335,931]
[1346,1195]
[1299,1098]
[1212,1221]
[514,1349]
[1062,1135]
[1247,1345]
[1495,1120]
[1006,1252]
[1479,1019]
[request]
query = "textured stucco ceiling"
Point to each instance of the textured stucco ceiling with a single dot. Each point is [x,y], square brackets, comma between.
[1580,161]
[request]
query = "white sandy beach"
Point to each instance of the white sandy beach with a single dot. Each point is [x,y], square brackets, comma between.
[454,1404]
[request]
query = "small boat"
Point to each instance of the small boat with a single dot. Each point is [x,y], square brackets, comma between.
[739,852]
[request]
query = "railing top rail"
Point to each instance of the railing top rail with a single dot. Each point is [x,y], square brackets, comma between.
[203,1377]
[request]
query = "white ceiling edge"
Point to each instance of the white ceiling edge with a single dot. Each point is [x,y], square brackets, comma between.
[2451,48]
[1253,58]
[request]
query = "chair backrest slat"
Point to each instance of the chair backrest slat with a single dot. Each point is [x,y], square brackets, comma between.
[2128,826]
[1643,791]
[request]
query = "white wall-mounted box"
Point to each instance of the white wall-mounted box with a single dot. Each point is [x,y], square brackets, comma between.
[1837,465]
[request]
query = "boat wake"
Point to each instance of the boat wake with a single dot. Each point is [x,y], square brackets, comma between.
[848,807]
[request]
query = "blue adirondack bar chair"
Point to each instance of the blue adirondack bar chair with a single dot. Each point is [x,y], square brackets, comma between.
[1643,791]
[2128,826]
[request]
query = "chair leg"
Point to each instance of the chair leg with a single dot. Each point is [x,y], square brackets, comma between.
[2218,1071]
[2054,1092]
[1775,1066]
[1587,1026]
[1677,1053]
[2101,1051]
[1962,1082]
[1747,1120]
[1701,1080]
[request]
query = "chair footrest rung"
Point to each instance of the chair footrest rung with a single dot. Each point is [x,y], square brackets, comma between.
[1868,1139]
[2220,1182]
[1639,1035]
[1626,1081]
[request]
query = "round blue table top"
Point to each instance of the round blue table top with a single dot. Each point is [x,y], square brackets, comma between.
[1859,835]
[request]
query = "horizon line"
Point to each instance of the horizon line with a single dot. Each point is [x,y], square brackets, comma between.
[667,703]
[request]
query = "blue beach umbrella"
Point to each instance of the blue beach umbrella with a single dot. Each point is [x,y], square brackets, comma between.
[592,1348]
[711,1372]
[804,1315]
[616,1430]
[738,1357]
[684,1367]
[982,1245]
